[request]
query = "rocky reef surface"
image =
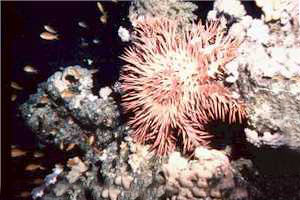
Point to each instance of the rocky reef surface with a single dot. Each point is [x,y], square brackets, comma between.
[64,110]
[266,75]
[111,165]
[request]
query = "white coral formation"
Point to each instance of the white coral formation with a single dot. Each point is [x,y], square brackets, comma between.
[273,140]
[269,54]
[286,60]
[232,71]
[124,34]
[230,7]
[110,193]
[258,31]
[272,8]
[139,157]
[105,92]
[268,50]
[207,177]
[277,9]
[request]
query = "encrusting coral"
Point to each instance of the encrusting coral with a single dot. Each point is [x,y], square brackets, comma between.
[172,83]
[209,176]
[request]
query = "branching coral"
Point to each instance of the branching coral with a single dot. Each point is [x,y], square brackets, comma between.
[171,83]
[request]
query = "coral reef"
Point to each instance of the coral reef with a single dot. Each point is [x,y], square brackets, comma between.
[269,81]
[49,179]
[65,111]
[278,9]
[171,9]
[115,168]
[265,75]
[109,178]
[234,8]
[209,176]
[172,83]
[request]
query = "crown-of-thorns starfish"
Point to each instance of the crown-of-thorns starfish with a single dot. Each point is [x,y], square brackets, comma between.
[172,85]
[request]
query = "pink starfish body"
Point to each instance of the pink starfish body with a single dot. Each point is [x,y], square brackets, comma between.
[172,83]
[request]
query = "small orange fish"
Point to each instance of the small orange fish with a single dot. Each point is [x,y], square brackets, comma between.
[82,24]
[38,154]
[48,36]
[103,19]
[15,85]
[33,167]
[30,69]
[50,29]
[13,97]
[17,152]
[100,7]
[25,194]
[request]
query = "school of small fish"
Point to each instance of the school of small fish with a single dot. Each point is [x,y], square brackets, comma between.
[50,33]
